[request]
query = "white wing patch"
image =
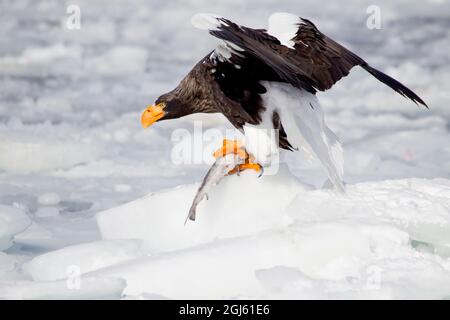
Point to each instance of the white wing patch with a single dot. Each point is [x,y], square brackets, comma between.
[206,21]
[209,21]
[303,120]
[284,26]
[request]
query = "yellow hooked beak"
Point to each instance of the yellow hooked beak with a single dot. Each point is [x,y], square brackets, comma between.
[152,114]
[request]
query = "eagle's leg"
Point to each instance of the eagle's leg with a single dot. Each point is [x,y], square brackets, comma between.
[231,146]
[236,147]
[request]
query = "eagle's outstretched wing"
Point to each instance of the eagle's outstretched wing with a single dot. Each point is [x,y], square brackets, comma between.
[296,51]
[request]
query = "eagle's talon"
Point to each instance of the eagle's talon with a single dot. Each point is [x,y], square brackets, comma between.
[262,172]
[236,147]
[245,166]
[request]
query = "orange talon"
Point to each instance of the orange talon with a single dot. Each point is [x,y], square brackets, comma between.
[236,147]
[254,166]
[247,165]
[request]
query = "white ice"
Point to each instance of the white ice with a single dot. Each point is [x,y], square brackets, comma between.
[86,257]
[340,246]
[12,221]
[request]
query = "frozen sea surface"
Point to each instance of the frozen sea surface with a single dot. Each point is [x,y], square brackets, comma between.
[76,166]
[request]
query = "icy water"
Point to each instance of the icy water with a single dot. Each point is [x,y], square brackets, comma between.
[71,146]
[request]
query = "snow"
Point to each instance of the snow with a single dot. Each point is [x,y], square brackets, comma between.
[92,205]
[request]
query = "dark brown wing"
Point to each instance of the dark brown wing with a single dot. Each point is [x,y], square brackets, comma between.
[330,61]
[324,60]
[315,63]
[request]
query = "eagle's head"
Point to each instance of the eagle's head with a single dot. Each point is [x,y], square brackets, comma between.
[168,106]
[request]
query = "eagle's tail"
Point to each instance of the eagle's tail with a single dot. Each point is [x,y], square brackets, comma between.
[394,84]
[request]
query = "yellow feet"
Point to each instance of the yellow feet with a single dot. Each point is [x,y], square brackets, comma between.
[245,166]
[231,146]
[236,147]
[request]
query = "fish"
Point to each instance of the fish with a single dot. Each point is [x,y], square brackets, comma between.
[215,174]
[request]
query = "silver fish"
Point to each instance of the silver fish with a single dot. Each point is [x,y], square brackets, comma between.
[215,174]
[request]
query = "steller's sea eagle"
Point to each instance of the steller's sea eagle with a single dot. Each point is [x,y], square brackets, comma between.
[267,79]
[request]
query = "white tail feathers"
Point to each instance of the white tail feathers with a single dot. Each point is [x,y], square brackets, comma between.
[302,118]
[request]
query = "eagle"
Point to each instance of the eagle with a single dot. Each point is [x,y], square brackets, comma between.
[267,79]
